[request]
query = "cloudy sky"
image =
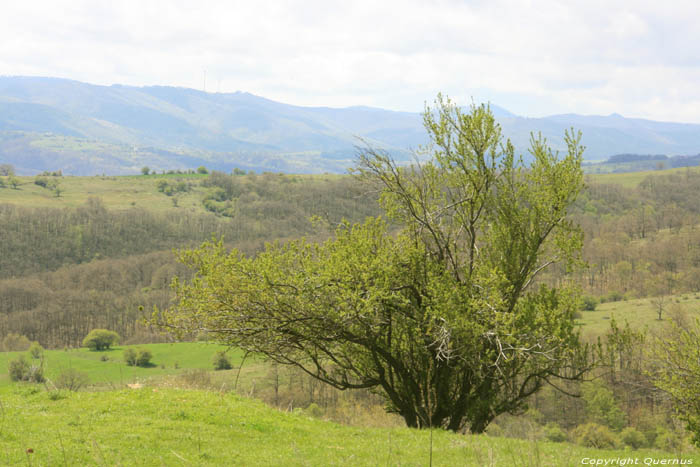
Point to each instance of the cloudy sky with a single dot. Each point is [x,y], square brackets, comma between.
[637,58]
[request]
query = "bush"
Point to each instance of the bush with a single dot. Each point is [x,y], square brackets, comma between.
[667,440]
[72,379]
[21,370]
[130,357]
[633,438]
[15,343]
[100,339]
[36,350]
[589,303]
[595,436]
[221,361]
[18,368]
[553,432]
[143,357]
[202,170]
[601,406]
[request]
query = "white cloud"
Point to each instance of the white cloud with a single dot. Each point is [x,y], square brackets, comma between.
[539,57]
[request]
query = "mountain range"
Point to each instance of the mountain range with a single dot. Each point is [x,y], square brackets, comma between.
[85,129]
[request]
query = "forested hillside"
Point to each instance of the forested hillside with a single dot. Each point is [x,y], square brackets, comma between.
[65,270]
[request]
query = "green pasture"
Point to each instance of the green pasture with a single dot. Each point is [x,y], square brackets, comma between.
[167,359]
[156,426]
[640,313]
[632,179]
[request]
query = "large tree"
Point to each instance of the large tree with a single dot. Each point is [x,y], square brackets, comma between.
[439,311]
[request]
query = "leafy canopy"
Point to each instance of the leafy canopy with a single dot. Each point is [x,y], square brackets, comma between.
[440,315]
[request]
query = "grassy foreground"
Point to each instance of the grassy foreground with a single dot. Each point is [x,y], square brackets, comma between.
[156,426]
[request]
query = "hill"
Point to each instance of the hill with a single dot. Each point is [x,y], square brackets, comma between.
[84,129]
[172,427]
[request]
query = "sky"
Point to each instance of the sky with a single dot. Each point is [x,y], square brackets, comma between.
[535,58]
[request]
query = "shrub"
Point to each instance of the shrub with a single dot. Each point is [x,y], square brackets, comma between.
[221,361]
[72,379]
[143,357]
[18,368]
[595,436]
[138,357]
[41,181]
[633,438]
[21,370]
[202,170]
[589,303]
[100,339]
[130,357]
[553,432]
[602,407]
[15,343]
[36,350]
[667,440]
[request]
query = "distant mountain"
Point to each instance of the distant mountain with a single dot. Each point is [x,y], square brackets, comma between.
[51,123]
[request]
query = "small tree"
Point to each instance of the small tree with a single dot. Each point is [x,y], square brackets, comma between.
[221,361]
[676,370]
[13,181]
[659,303]
[14,342]
[100,339]
[18,368]
[36,350]
[202,170]
[72,379]
[145,170]
[143,358]
[130,357]
[21,370]
[7,169]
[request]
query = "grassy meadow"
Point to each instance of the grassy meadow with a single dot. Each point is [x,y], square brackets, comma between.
[107,368]
[156,426]
[640,313]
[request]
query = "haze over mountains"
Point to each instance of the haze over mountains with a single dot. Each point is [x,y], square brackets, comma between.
[84,129]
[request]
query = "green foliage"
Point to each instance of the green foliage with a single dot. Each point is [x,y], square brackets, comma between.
[42,182]
[588,303]
[596,436]
[601,406]
[145,170]
[676,358]
[36,350]
[143,358]
[553,432]
[221,361]
[130,357]
[13,181]
[138,357]
[100,339]
[71,379]
[202,170]
[441,318]
[633,438]
[21,370]
[18,368]
[14,342]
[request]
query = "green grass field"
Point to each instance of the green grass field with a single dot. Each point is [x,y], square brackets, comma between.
[121,192]
[632,179]
[168,359]
[639,313]
[151,426]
